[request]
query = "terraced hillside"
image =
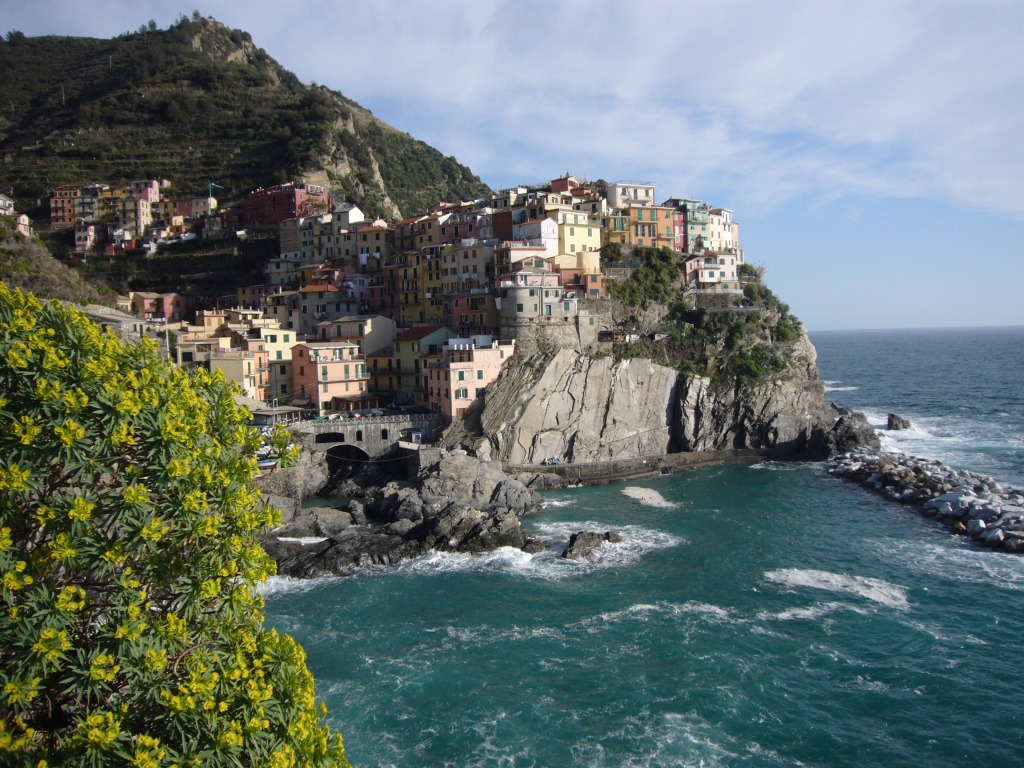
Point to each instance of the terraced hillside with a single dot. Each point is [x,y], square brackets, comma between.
[199,103]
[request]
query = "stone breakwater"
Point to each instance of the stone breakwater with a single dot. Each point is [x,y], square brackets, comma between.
[968,503]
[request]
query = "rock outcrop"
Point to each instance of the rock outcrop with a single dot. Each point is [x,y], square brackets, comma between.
[459,504]
[584,545]
[580,408]
[897,422]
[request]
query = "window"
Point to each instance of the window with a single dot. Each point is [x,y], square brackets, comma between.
[480,374]
[302,370]
[323,371]
[519,307]
[282,370]
[325,387]
[462,375]
[280,355]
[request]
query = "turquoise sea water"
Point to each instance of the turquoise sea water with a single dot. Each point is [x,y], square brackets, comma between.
[763,615]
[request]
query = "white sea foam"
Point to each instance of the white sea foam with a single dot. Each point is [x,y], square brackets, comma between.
[648,497]
[712,614]
[839,389]
[876,590]
[956,559]
[303,540]
[276,586]
[559,503]
[810,613]
[780,466]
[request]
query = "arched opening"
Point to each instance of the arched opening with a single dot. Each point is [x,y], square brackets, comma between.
[330,437]
[383,434]
[343,461]
[359,435]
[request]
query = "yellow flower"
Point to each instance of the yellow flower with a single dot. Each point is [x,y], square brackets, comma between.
[14,478]
[69,433]
[123,434]
[81,510]
[5,539]
[156,659]
[25,430]
[154,530]
[61,549]
[71,599]
[103,669]
[136,494]
[194,501]
[52,643]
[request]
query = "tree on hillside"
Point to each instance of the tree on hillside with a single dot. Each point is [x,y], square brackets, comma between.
[130,631]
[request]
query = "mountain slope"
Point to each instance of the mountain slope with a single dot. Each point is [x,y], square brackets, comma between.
[200,103]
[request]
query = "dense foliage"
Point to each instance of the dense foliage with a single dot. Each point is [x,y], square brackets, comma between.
[130,631]
[654,280]
[193,104]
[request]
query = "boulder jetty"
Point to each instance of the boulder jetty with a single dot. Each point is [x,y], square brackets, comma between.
[968,503]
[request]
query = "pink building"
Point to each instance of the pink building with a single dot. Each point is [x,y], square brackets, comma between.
[157,306]
[332,375]
[459,377]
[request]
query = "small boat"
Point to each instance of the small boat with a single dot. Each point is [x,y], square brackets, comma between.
[265,464]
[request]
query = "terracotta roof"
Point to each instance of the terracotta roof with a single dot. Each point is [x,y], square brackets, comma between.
[419,332]
[316,288]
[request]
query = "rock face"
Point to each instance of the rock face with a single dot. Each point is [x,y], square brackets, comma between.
[304,479]
[459,504]
[580,408]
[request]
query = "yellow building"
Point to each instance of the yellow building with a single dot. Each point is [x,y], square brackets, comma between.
[578,232]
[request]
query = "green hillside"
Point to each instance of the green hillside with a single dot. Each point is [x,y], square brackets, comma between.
[194,104]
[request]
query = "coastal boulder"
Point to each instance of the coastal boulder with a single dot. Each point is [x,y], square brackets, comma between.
[894,422]
[584,544]
[853,432]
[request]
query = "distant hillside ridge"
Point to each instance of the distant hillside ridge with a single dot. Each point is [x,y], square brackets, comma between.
[196,104]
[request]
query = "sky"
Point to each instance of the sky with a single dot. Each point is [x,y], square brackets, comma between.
[872,152]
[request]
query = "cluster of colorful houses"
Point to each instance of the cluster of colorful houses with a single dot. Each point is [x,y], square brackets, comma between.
[22,223]
[355,312]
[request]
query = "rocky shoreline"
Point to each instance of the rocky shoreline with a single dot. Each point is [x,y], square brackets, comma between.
[457,504]
[968,503]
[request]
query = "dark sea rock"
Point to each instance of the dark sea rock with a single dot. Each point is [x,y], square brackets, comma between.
[897,422]
[851,432]
[584,544]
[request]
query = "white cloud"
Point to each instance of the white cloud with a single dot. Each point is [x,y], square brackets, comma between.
[757,101]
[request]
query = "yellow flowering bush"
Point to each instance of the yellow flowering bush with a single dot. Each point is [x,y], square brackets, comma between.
[130,630]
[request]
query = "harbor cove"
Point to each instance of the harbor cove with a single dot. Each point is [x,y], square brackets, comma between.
[763,614]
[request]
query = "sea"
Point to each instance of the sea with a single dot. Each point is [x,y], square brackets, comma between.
[760,614]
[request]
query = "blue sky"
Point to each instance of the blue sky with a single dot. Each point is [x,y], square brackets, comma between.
[873,152]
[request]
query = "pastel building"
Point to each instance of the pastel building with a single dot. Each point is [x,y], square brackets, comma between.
[460,375]
[717,272]
[332,375]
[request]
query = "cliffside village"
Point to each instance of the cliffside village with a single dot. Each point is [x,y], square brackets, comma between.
[358,314]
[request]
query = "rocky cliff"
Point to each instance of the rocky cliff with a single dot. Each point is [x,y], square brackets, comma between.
[585,408]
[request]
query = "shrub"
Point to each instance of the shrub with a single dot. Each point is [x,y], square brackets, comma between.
[130,631]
